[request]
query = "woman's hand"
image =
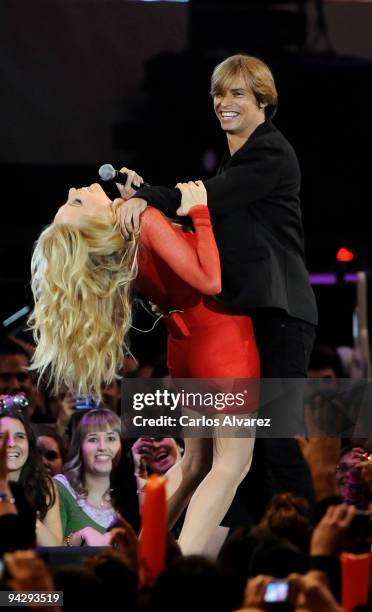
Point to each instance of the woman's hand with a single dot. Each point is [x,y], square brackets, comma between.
[89,536]
[192,194]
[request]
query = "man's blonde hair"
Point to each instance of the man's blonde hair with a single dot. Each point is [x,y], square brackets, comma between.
[81,283]
[256,74]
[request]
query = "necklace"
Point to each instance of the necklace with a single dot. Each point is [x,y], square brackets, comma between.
[105,501]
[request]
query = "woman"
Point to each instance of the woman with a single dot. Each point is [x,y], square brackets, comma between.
[82,272]
[91,489]
[24,465]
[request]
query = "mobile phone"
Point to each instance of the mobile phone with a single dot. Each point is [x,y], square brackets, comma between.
[277,591]
[85,402]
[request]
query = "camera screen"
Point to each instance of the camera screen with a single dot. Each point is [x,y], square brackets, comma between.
[276,591]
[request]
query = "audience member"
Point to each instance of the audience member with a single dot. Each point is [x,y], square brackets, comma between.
[51,447]
[24,465]
[91,488]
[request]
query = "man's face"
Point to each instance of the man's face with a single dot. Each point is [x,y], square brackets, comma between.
[14,376]
[237,108]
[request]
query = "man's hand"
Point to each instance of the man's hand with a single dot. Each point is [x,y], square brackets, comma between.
[129,215]
[192,194]
[330,533]
[127,191]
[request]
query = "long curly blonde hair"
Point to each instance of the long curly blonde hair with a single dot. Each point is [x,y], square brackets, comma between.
[81,283]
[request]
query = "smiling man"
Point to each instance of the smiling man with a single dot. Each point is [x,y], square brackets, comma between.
[255,207]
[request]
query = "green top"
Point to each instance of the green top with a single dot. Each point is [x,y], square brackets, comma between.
[76,513]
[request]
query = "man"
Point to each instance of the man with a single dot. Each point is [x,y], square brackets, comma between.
[15,377]
[254,202]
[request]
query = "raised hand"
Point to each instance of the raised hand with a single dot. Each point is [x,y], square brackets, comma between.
[143,455]
[330,533]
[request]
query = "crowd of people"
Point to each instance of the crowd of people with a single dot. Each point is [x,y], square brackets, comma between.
[76,482]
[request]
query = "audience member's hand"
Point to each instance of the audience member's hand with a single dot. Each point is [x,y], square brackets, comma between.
[124,540]
[311,594]
[3,452]
[126,190]
[129,216]
[322,456]
[330,534]
[255,592]
[143,455]
[89,536]
[366,472]
[27,572]
[192,194]
[320,452]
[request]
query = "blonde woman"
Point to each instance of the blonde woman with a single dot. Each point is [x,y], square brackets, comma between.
[82,274]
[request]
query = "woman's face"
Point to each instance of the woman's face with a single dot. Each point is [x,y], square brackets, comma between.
[17,447]
[100,449]
[86,201]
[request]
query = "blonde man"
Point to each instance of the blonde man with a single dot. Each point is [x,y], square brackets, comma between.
[255,206]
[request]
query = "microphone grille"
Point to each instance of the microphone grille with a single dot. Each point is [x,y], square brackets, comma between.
[107,172]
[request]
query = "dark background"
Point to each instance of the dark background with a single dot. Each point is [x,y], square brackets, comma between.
[85,82]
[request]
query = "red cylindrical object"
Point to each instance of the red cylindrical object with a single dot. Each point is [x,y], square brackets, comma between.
[153,539]
[355,579]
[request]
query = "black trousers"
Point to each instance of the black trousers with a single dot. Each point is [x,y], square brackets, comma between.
[285,345]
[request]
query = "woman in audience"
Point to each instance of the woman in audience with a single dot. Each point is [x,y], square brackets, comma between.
[92,487]
[25,466]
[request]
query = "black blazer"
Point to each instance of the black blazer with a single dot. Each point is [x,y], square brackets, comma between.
[255,207]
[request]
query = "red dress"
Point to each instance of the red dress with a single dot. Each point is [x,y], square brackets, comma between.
[180,270]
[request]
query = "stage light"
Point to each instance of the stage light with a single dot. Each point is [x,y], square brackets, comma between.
[344,255]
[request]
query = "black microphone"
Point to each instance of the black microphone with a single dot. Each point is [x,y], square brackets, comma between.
[107,172]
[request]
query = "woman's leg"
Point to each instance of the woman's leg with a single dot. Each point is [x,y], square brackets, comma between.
[185,476]
[231,462]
